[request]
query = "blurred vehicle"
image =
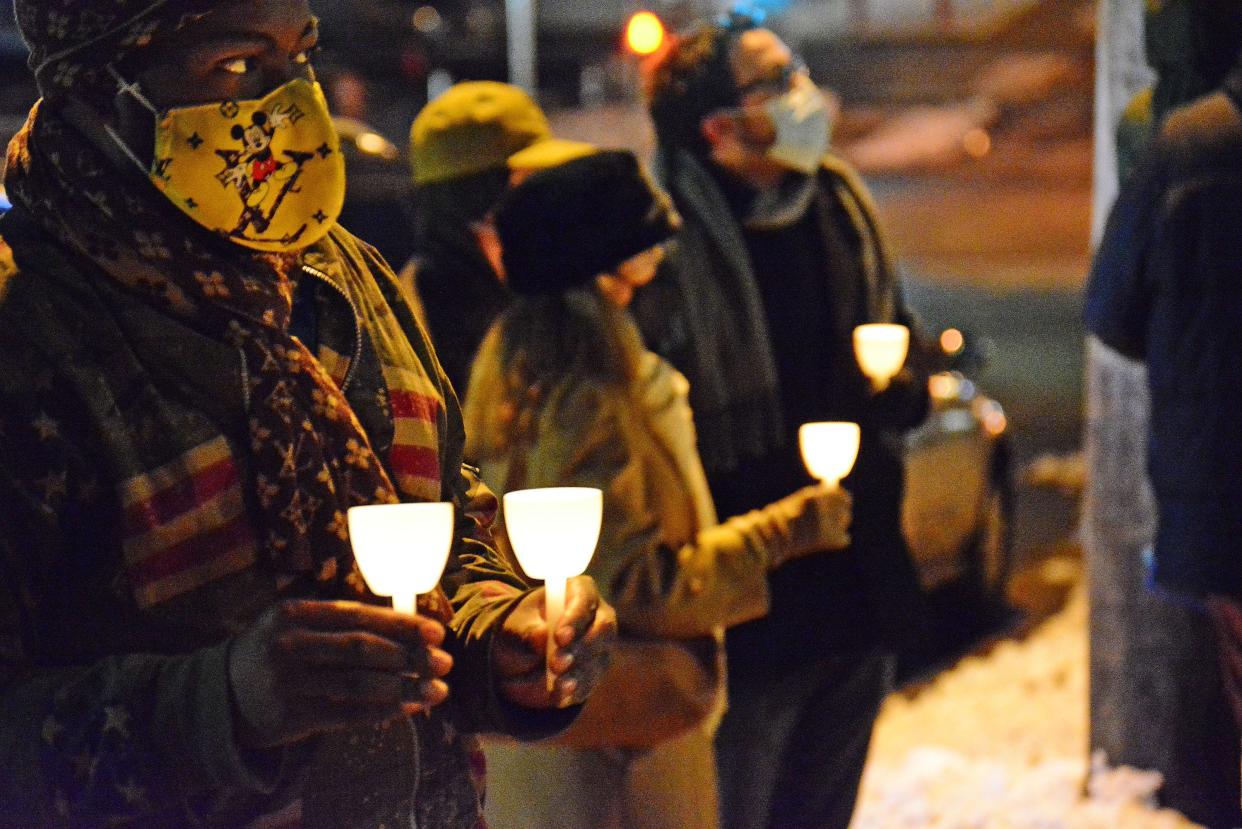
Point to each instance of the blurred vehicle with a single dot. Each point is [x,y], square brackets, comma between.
[958,511]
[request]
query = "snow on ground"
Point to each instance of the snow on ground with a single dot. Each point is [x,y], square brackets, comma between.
[999,742]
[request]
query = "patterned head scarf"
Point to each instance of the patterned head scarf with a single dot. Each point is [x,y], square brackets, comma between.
[72,41]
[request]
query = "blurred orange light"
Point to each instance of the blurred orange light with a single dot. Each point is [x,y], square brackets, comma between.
[952,341]
[644,34]
[977,142]
[943,386]
[994,423]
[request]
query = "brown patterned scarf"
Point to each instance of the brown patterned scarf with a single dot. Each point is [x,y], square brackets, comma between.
[310,456]
[72,41]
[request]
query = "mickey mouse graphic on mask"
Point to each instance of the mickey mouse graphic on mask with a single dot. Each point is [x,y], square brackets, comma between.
[283,178]
[262,181]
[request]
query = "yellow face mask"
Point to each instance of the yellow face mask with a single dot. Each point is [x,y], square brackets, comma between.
[265,173]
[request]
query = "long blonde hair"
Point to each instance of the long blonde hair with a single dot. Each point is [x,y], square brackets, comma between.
[541,344]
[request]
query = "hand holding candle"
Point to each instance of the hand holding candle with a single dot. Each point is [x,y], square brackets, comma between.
[554,532]
[829,450]
[307,667]
[401,548]
[881,351]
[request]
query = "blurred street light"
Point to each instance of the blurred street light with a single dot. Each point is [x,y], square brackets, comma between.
[427,20]
[644,34]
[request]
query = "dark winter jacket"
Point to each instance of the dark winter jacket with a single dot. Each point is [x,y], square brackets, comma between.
[1166,288]
[116,710]
[820,604]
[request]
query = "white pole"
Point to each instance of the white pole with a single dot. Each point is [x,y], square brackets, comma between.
[520,27]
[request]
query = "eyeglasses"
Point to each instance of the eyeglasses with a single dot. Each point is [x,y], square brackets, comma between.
[777,82]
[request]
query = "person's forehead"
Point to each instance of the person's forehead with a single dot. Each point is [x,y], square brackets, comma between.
[260,19]
[758,54]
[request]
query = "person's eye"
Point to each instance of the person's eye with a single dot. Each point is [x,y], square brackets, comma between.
[303,57]
[236,66]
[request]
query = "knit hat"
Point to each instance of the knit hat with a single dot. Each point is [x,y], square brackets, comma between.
[72,41]
[566,224]
[478,125]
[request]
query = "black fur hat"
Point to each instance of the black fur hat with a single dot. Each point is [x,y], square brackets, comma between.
[564,225]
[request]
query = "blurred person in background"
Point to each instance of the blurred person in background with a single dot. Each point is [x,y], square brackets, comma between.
[780,257]
[564,393]
[199,381]
[1163,290]
[460,147]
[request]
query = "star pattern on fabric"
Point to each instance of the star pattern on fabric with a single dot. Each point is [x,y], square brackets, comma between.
[229,109]
[301,511]
[338,526]
[281,400]
[259,435]
[195,141]
[92,24]
[267,491]
[327,571]
[66,74]
[236,334]
[58,25]
[191,204]
[357,455]
[325,404]
[324,150]
[288,453]
[116,719]
[152,245]
[133,793]
[45,427]
[213,284]
[320,216]
[356,581]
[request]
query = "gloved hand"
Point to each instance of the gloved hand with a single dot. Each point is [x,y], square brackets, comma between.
[813,519]
[311,666]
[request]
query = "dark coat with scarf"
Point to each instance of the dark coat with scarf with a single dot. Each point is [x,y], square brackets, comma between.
[129,559]
[705,314]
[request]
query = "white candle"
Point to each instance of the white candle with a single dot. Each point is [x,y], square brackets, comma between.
[401,549]
[881,350]
[554,532]
[829,449]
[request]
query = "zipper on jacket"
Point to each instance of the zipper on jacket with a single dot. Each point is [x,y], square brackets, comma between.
[357,355]
[245,380]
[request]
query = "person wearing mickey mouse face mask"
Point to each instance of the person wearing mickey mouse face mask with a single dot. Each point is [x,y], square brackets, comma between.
[203,372]
[779,258]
